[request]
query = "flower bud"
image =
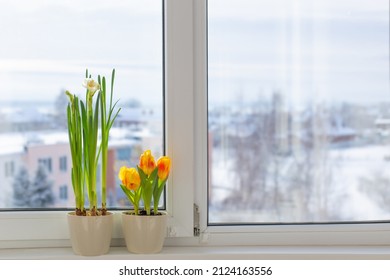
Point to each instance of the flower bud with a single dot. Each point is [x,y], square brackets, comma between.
[130,178]
[164,166]
[147,163]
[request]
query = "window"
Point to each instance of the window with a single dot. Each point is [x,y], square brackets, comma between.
[50,55]
[186,127]
[46,163]
[124,154]
[63,164]
[63,192]
[298,111]
[141,77]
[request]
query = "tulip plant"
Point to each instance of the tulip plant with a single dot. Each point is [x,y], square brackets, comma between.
[147,182]
[83,131]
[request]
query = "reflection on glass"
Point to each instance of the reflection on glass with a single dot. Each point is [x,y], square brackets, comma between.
[299,111]
[45,50]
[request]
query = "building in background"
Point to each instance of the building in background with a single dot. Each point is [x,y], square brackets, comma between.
[30,145]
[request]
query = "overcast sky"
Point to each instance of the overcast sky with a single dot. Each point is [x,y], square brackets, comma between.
[47,45]
[309,50]
[323,50]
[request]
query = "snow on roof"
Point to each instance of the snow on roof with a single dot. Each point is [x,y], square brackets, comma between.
[14,143]
[11,143]
[19,115]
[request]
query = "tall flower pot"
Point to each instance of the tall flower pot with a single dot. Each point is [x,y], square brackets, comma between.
[90,235]
[144,234]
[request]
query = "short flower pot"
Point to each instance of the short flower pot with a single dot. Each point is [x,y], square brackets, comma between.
[90,235]
[144,234]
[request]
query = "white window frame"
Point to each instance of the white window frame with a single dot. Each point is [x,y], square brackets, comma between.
[21,229]
[185,84]
[284,235]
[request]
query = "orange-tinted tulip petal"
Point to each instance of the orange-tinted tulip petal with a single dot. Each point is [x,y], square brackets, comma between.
[147,163]
[130,178]
[164,166]
[122,173]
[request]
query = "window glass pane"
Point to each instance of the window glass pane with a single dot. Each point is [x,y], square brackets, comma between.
[46,46]
[299,111]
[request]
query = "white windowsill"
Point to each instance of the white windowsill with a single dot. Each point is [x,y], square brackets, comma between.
[213,253]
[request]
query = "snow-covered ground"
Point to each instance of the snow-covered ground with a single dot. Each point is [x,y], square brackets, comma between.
[349,166]
[354,164]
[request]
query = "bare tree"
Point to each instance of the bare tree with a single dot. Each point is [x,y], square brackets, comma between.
[282,168]
[258,141]
[311,173]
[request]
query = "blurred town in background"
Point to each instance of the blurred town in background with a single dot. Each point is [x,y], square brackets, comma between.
[323,162]
[35,161]
[298,103]
[320,162]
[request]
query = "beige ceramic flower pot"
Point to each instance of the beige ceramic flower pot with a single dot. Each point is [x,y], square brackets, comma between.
[144,234]
[90,235]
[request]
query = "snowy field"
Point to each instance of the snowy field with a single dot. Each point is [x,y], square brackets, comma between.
[349,166]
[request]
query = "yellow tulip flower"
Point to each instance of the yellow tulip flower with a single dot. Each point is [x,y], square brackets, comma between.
[130,178]
[147,163]
[164,166]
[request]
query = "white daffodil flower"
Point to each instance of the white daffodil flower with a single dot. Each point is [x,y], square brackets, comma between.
[91,85]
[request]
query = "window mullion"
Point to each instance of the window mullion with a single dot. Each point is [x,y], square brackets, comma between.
[179,89]
[200,105]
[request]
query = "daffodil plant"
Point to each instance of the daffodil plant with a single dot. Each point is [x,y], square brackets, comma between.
[146,182]
[86,149]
